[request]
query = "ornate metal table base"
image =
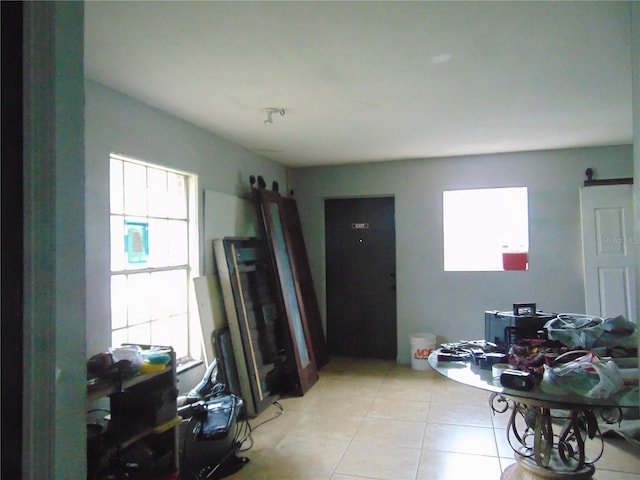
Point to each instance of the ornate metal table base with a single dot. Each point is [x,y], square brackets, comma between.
[518,472]
[542,453]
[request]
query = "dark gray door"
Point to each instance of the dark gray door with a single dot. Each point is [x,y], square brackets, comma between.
[361,277]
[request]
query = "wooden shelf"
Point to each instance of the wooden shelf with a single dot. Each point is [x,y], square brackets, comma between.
[609,181]
[142,409]
[105,387]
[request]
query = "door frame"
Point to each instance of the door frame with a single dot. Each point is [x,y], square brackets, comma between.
[613,253]
[326,259]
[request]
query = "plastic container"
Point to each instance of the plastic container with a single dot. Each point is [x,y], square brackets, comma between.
[148,367]
[515,260]
[422,344]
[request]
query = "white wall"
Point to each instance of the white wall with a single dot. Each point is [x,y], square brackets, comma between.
[452,304]
[117,123]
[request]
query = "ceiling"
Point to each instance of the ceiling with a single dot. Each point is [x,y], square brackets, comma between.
[373,81]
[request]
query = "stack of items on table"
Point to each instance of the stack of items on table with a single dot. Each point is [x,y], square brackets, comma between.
[480,352]
[571,353]
[581,354]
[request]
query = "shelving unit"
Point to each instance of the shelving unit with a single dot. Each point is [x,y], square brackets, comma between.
[139,436]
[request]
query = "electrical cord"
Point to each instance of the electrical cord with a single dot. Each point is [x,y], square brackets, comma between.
[278,413]
[251,429]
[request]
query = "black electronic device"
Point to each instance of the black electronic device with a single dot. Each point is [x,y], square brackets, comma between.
[507,328]
[453,356]
[210,437]
[517,379]
[488,360]
[524,309]
[212,429]
[220,414]
[464,350]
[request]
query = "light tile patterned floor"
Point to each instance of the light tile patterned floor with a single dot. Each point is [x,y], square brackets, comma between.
[377,420]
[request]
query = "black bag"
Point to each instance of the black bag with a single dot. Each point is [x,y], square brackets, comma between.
[218,418]
[210,438]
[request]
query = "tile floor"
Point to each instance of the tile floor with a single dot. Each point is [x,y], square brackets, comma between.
[371,419]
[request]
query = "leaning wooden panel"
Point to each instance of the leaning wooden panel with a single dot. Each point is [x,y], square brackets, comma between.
[252,316]
[302,351]
[304,280]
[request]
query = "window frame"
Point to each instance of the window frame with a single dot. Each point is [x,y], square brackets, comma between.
[191,265]
[509,254]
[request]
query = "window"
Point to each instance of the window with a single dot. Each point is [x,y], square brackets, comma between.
[153,256]
[486,229]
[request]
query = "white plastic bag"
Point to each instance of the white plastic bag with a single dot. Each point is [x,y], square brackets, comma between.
[587,375]
[574,330]
[128,353]
[588,332]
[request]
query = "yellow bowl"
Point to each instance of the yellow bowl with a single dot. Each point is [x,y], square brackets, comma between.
[147,367]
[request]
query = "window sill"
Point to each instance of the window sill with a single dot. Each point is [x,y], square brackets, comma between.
[188,364]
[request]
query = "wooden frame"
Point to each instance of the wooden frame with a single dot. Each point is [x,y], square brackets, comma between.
[304,280]
[609,181]
[253,319]
[276,234]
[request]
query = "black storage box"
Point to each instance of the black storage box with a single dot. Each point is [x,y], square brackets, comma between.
[145,405]
[506,328]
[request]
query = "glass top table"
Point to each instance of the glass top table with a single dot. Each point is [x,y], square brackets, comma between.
[547,432]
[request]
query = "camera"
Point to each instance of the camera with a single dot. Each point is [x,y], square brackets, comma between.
[517,379]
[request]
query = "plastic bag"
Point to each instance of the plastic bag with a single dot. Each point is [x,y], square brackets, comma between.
[588,332]
[587,375]
[128,356]
[574,330]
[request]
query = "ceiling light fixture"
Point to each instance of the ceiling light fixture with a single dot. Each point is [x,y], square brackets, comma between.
[270,111]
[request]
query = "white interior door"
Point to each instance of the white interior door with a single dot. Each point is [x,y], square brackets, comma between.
[609,251]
